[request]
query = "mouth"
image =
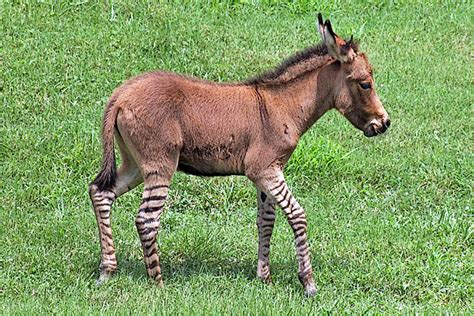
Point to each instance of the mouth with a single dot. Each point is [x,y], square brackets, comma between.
[374,129]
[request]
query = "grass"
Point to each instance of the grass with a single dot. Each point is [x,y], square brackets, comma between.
[390,218]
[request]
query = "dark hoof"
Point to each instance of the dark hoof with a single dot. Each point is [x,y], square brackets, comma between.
[266,280]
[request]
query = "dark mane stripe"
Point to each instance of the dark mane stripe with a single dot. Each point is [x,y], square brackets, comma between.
[301,56]
[310,52]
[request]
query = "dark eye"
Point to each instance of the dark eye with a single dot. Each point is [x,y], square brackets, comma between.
[365,85]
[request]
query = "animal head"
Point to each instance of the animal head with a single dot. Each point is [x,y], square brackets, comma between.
[355,95]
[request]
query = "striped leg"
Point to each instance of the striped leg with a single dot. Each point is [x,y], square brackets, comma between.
[102,203]
[148,222]
[274,184]
[128,177]
[265,222]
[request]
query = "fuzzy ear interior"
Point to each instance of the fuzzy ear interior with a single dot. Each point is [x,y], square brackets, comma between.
[331,41]
[334,43]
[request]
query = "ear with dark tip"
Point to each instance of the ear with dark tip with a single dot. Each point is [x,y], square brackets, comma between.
[320,19]
[329,38]
[320,26]
[329,28]
[336,45]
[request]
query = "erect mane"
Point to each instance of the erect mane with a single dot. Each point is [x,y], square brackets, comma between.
[309,58]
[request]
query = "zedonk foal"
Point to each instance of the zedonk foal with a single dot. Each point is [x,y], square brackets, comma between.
[163,122]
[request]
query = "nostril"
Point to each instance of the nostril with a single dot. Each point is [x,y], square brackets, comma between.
[387,123]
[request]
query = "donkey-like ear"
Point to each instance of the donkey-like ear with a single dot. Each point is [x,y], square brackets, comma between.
[337,47]
[320,26]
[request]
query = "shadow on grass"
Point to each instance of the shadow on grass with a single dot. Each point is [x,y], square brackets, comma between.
[191,266]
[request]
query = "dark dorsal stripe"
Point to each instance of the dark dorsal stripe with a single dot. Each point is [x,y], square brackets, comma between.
[301,56]
[310,52]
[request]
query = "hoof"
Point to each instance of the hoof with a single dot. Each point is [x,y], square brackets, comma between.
[158,280]
[104,277]
[160,284]
[310,290]
[106,273]
[266,280]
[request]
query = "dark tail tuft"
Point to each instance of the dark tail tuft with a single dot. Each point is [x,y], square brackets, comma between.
[105,180]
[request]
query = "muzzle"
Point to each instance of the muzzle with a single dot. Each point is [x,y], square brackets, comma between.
[375,128]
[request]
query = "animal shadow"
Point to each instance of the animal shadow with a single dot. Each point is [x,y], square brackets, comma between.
[190,265]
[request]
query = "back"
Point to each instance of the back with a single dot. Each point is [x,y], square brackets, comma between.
[212,122]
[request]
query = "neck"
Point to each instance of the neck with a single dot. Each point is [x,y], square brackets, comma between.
[306,97]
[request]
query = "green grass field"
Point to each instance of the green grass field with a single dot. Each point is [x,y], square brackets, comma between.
[390,218]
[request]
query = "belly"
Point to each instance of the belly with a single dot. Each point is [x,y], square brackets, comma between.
[209,160]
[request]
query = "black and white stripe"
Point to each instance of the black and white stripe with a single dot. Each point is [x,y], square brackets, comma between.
[102,203]
[277,189]
[265,223]
[148,223]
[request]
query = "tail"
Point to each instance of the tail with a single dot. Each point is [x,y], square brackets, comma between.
[105,180]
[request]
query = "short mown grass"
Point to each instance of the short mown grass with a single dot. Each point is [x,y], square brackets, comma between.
[390,218]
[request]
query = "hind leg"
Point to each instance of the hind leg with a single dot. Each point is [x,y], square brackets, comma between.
[128,177]
[102,203]
[155,147]
[155,191]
